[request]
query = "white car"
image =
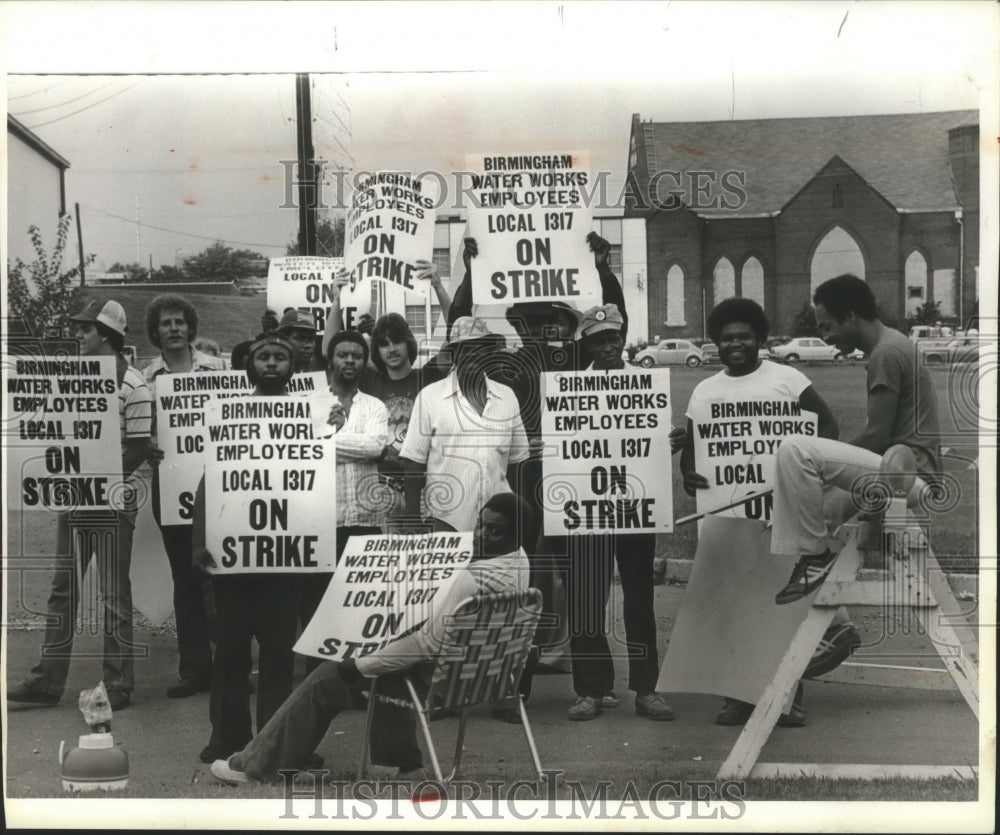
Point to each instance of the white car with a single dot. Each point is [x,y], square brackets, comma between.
[806,348]
[670,352]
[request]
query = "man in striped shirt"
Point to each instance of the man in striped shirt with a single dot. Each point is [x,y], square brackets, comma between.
[100,330]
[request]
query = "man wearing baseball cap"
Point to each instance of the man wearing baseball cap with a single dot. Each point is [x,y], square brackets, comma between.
[100,331]
[297,327]
[589,574]
[470,411]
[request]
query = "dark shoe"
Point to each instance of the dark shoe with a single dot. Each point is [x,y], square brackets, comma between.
[796,716]
[211,753]
[734,712]
[807,576]
[187,687]
[23,694]
[119,699]
[653,706]
[584,708]
[835,647]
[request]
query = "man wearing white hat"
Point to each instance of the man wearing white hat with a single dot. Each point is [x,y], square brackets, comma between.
[465,436]
[100,330]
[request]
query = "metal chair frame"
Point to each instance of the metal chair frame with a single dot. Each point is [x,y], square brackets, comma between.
[486,644]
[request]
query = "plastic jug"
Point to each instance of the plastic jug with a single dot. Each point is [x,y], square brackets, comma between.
[97,763]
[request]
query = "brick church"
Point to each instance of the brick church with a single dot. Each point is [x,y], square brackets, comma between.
[769,208]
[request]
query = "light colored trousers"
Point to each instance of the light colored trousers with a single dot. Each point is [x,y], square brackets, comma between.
[812,491]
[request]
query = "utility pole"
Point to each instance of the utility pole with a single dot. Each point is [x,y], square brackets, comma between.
[308,190]
[79,244]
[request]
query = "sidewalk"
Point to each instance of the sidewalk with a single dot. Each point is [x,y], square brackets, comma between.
[847,723]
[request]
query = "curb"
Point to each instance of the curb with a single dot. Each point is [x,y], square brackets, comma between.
[679,571]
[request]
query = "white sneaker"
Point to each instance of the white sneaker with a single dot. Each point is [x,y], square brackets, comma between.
[225,773]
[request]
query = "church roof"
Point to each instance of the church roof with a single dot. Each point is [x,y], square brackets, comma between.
[903,156]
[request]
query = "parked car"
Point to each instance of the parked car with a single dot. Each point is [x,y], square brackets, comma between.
[963,349]
[806,348]
[710,352]
[670,352]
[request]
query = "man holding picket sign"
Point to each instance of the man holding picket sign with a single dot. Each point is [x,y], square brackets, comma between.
[289,739]
[589,573]
[739,327]
[360,423]
[172,325]
[100,331]
[255,604]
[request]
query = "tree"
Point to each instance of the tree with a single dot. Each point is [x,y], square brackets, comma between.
[929,313]
[39,292]
[133,272]
[168,272]
[220,263]
[329,239]
[804,322]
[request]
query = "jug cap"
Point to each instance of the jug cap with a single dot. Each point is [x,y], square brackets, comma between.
[94,741]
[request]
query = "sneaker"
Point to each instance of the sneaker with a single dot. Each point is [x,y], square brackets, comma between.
[837,645]
[610,700]
[119,699]
[653,706]
[187,687]
[23,694]
[734,712]
[211,753]
[809,573]
[584,708]
[796,716]
[225,772]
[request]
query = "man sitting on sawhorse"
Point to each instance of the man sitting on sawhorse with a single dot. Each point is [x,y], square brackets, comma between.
[813,476]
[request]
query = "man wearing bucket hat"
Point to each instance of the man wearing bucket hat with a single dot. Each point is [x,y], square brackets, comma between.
[465,437]
[297,327]
[100,330]
[589,572]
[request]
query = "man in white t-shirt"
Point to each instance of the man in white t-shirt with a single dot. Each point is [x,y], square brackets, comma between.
[740,327]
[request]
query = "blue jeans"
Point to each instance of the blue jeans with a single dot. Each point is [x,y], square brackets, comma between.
[81,535]
[300,724]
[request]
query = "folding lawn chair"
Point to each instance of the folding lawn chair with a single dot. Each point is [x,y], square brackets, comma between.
[486,645]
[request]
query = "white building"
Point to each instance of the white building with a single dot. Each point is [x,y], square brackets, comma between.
[36,191]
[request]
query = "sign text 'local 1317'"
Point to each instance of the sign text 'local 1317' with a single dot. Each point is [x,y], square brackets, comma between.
[181,400]
[269,487]
[62,442]
[385,586]
[304,282]
[390,226]
[530,222]
[611,469]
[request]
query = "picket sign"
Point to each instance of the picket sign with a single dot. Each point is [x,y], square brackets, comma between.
[917,584]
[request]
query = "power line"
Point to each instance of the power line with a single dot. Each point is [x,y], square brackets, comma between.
[187,234]
[82,109]
[68,101]
[36,92]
